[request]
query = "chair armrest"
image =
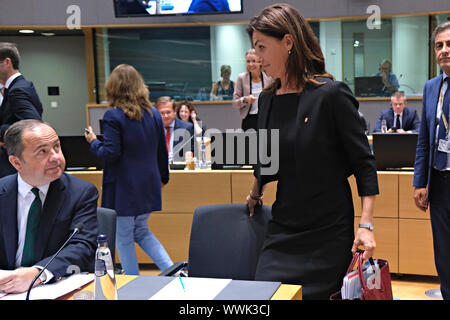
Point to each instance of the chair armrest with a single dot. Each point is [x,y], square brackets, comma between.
[173,269]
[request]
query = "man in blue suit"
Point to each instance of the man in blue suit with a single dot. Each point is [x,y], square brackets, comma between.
[399,118]
[178,133]
[39,208]
[20,99]
[432,166]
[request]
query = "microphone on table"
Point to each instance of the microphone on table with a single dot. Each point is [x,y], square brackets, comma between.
[78,228]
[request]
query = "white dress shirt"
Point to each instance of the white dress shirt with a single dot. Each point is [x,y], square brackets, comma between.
[438,115]
[1,95]
[24,200]
[11,79]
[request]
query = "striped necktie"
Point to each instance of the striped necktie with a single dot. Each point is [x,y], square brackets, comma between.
[34,215]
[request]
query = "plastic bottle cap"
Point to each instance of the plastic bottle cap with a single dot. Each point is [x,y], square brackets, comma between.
[102,237]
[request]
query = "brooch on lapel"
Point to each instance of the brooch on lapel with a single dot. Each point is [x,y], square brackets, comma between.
[306,119]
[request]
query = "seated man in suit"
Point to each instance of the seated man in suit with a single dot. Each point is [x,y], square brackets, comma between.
[40,206]
[399,118]
[20,100]
[178,132]
[389,79]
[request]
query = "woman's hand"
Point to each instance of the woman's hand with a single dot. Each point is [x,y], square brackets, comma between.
[90,135]
[252,203]
[364,237]
[250,99]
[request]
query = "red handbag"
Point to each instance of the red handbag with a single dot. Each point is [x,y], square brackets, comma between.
[385,290]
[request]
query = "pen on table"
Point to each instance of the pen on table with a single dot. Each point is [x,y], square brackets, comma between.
[181,281]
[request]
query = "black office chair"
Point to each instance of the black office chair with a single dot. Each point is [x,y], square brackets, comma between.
[225,242]
[106,224]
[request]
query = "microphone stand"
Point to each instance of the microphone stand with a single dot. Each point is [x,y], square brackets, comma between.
[77,229]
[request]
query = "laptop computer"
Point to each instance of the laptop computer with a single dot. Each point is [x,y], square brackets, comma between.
[395,151]
[77,154]
[368,86]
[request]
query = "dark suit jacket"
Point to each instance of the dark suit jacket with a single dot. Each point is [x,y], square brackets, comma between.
[427,135]
[21,102]
[180,124]
[135,162]
[410,120]
[69,201]
[330,146]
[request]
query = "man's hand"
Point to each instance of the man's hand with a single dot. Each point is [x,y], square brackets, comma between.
[420,197]
[19,280]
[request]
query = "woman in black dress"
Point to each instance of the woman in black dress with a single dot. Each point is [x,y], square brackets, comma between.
[310,238]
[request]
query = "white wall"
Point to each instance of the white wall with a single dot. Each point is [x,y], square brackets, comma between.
[331,44]
[410,52]
[229,43]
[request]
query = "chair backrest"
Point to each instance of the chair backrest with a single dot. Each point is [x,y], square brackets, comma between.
[106,223]
[226,242]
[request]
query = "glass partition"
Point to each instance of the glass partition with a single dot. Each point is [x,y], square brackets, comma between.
[184,62]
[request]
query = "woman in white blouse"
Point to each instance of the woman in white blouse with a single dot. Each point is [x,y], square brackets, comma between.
[248,86]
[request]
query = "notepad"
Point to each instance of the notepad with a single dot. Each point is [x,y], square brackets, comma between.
[194,289]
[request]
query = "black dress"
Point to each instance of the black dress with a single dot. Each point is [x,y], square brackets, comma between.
[298,249]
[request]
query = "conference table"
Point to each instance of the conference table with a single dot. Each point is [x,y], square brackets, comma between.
[283,292]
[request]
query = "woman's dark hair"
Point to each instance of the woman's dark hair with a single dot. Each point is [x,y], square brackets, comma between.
[306,59]
[186,103]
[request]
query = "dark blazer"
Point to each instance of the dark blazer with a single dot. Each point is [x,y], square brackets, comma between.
[135,162]
[69,201]
[410,120]
[21,102]
[427,135]
[330,145]
[180,124]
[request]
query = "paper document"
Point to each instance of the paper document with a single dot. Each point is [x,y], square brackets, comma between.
[52,291]
[194,289]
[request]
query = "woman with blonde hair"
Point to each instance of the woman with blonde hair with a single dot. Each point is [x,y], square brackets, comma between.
[135,165]
[249,85]
[310,238]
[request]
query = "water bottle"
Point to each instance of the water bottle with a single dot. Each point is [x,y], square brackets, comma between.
[105,281]
[383,126]
[202,157]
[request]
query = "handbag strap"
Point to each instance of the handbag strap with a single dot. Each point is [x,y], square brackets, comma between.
[360,269]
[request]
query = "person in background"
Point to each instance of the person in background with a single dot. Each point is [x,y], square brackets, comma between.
[172,129]
[20,99]
[432,166]
[389,79]
[209,6]
[248,87]
[310,238]
[40,208]
[399,118]
[135,165]
[223,89]
[186,112]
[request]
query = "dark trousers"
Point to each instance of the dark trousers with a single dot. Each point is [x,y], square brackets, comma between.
[440,224]
[250,122]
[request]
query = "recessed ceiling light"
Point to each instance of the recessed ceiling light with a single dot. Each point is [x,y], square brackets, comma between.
[26,31]
[48,34]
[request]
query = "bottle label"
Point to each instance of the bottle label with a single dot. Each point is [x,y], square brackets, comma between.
[100,268]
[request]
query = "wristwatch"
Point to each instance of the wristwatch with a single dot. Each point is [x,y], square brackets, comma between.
[366,225]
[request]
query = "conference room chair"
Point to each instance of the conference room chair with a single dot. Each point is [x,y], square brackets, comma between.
[106,224]
[225,242]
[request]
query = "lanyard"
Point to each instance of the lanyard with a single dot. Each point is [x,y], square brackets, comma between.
[444,119]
